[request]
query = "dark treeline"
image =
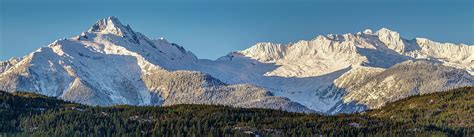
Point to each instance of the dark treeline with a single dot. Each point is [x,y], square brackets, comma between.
[444,113]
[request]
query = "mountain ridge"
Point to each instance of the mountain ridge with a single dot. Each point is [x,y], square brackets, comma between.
[111,64]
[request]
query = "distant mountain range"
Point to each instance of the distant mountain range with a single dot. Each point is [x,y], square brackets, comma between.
[111,64]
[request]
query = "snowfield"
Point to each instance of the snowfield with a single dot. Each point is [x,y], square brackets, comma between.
[111,64]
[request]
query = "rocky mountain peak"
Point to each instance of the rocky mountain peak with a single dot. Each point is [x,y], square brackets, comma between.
[265,51]
[391,39]
[111,25]
[387,32]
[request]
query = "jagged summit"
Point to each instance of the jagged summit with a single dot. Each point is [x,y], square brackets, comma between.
[384,30]
[391,39]
[111,25]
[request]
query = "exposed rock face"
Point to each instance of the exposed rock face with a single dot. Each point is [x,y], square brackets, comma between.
[111,64]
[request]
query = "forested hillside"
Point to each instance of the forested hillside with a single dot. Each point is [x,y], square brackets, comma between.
[443,113]
[454,108]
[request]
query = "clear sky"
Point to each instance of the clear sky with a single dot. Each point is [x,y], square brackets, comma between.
[212,28]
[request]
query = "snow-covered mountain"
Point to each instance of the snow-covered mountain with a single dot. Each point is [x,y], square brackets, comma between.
[112,64]
[349,72]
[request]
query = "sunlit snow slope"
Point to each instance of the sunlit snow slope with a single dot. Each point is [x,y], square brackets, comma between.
[350,72]
[112,64]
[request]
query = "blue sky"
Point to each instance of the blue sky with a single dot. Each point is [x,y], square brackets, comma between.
[212,28]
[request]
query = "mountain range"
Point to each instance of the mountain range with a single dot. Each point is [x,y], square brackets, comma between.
[111,64]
